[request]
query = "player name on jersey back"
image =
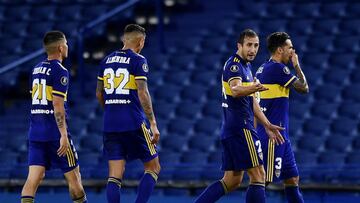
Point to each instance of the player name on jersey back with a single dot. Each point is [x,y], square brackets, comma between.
[118,59]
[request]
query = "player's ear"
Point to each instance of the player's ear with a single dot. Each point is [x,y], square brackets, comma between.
[239,45]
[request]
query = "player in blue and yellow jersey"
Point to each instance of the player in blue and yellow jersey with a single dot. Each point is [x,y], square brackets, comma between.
[50,144]
[122,91]
[275,75]
[241,146]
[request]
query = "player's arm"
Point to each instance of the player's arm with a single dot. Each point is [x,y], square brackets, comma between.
[300,84]
[99,93]
[239,90]
[145,100]
[59,113]
[271,130]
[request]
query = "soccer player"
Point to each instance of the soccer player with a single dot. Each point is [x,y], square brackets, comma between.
[241,145]
[275,75]
[123,93]
[50,143]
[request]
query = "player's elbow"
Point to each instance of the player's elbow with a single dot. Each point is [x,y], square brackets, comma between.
[99,95]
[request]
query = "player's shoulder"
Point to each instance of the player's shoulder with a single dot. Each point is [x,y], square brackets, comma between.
[232,64]
[55,64]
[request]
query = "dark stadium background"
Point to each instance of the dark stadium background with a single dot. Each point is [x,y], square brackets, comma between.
[187,43]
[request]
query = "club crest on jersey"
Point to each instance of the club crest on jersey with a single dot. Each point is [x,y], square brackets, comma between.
[277,173]
[145,67]
[234,68]
[286,70]
[64,80]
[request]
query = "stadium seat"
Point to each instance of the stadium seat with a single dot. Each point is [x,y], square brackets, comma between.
[344,126]
[338,143]
[345,61]
[202,142]
[88,160]
[352,10]
[182,62]
[255,10]
[177,78]
[298,109]
[174,142]
[350,95]
[93,142]
[280,10]
[311,143]
[305,158]
[17,13]
[349,109]
[194,157]
[300,27]
[69,13]
[193,93]
[333,160]
[347,45]
[188,110]
[316,126]
[212,109]
[164,110]
[324,110]
[271,25]
[208,126]
[351,25]
[333,10]
[327,96]
[167,93]
[306,10]
[321,44]
[336,76]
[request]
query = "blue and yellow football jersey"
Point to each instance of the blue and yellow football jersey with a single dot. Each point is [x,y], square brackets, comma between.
[118,71]
[237,112]
[275,101]
[48,78]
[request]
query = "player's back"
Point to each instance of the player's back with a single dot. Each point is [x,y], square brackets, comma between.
[118,71]
[48,78]
[275,101]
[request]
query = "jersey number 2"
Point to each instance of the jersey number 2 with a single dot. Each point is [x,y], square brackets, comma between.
[111,79]
[39,92]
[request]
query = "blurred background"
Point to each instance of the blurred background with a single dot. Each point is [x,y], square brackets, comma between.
[187,43]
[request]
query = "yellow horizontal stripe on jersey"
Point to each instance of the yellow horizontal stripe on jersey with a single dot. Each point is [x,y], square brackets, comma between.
[48,91]
[129,85]
[288,82]
[227,88]
[140,78]
[100,78]
[275,91]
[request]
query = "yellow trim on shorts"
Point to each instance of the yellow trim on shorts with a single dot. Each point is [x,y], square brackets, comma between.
[251,146]
[270,161]
[148,139]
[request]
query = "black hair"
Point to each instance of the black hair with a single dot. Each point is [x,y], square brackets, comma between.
[53,36]
[134,28]
[275,40]
[246,33]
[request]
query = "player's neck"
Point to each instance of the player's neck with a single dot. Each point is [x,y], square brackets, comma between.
[55,57]
[242,57]
[276,58]
[131,48]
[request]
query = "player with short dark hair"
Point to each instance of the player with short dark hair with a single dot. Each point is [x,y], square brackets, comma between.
[123,93]
[275,75]
[241,146]
[50,143]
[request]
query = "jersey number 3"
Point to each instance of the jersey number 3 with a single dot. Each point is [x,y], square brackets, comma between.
[116,81]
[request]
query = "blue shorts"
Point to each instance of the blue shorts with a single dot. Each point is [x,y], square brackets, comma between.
[129,145]
[45,154]
[241,151]
[279,161]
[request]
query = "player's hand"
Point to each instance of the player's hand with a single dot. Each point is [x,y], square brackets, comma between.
[294,59]
[155,134]
[273,132]
[258,86]
[64,146]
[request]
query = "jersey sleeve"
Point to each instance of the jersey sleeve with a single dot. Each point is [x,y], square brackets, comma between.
[232,71]
[60,82]
[283,76]
[141,70]
[100,76]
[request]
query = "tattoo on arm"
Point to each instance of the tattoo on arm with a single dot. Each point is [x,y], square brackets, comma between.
[145,99]
[301,84]
[99,92]
[60,118]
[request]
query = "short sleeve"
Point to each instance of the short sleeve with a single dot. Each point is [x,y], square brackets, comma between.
[60,82]
[100,76]
[283,76]
[141,70]
[232,71]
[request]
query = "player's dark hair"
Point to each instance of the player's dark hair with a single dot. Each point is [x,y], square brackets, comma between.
[246,33]
[134,28]
[53,36]
[275,40]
